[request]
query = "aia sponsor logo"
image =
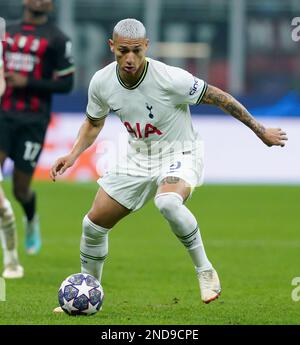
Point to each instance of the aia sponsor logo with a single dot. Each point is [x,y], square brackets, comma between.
[138,132]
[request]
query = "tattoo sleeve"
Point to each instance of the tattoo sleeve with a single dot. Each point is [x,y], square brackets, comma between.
[229,104]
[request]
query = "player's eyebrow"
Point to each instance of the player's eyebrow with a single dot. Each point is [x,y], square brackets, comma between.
[126,47]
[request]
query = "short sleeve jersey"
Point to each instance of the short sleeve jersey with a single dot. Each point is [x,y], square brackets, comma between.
[155,110]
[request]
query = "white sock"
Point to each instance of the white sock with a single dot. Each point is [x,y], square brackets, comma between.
[8,234]
[184,226]
[93,248]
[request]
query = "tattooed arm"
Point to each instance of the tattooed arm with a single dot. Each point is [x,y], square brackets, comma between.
[270,136]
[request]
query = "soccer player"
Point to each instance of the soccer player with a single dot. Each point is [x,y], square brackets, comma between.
[164,157]
[38,63]
[8,230]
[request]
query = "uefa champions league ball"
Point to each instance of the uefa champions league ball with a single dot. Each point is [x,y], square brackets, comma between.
[80,294]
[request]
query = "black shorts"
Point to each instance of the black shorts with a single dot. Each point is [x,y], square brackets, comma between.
[22,139]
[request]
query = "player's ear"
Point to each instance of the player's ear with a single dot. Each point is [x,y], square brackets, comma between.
[146,44]
[111,45]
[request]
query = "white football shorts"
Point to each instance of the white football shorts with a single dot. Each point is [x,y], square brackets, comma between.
[132,182]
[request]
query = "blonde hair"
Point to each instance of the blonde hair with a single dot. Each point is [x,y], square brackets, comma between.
[130,28]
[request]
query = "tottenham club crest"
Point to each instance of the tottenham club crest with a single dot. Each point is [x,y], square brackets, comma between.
[151,115]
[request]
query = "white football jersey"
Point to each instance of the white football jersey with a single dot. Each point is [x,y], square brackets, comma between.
[155,111]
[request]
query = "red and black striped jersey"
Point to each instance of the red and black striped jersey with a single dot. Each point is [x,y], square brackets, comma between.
[43,54]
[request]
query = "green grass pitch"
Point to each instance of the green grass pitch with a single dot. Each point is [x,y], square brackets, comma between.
[251,234]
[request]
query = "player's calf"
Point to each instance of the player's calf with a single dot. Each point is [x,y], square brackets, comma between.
[185,227]
[93,248]
[33,240]
[8,234]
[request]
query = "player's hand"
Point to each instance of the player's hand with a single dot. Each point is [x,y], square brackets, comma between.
[274,136]
[16,80]
[61,165]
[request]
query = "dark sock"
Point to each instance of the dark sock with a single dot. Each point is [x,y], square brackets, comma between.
[29,207]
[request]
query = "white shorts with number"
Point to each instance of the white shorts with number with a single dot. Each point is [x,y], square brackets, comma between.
[134,183]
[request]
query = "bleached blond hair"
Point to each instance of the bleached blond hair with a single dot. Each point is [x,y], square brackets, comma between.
[130,28]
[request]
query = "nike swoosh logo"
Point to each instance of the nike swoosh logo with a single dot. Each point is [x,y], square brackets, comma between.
[115,110]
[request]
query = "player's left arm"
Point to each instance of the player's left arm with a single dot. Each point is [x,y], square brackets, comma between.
[59,85]
[223,100]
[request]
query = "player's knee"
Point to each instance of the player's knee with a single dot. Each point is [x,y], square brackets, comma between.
[95,219]
[102,219]
[168,203]
[6,211]
[92,230]
[94,238]
[20,194]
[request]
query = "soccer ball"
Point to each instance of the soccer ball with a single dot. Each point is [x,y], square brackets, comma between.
[80,294]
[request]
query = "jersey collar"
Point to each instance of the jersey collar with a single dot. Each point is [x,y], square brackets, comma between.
[139,81]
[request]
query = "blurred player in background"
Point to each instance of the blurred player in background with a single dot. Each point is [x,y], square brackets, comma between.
[2,80]
[38,63]
[164,159]
[8,229]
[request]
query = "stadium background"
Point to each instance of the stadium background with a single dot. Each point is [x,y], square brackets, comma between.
[246,47]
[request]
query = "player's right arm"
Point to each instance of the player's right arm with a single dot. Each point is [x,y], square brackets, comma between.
[87,135]
[96,112]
